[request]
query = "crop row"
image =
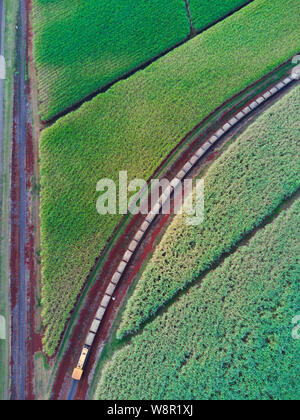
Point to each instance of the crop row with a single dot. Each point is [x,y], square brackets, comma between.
[243,187]
[133,127]
[230,338]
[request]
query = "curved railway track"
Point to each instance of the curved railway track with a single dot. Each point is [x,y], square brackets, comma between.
[108,297]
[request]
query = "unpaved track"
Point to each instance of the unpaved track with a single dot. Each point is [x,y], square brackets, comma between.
[19,272]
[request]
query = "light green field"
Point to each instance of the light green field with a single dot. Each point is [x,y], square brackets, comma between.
[228,338]
[244,186]
[133,127]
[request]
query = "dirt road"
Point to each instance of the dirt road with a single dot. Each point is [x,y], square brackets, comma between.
[20,276]
[3,233]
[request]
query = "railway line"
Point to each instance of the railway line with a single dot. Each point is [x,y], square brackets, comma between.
[188,166]
[19,209]
[3,281]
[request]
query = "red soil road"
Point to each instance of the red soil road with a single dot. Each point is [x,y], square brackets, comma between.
[22,261]
[34,339]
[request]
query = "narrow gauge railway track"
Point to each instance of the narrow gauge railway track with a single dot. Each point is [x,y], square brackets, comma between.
[146,224]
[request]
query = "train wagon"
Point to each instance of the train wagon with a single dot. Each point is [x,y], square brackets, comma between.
[78,371]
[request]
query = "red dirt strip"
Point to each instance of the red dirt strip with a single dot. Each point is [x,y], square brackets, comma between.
[24,341]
